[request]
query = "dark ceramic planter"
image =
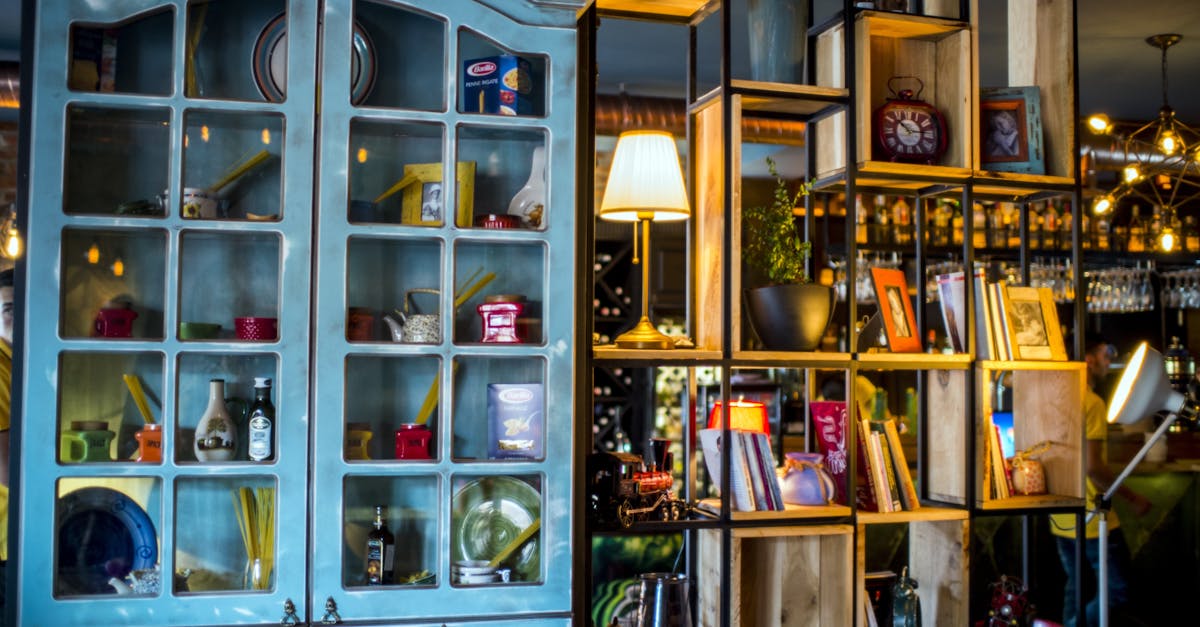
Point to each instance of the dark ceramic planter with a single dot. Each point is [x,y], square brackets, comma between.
[790,317]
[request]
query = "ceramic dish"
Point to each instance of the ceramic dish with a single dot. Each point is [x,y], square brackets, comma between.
[270,62]
[101,534]
[488,514]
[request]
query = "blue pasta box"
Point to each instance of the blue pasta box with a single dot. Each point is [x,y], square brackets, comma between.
[515,420]
[502,84]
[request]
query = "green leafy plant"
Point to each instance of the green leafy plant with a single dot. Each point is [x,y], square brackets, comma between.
[771,241]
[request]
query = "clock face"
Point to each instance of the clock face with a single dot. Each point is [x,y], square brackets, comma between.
[910,132]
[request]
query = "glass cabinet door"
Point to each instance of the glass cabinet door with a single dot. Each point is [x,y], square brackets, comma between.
[168,269]
[413,336]
[445,312]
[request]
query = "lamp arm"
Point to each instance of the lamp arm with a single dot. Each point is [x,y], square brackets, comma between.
[1137,459]
[1102,505]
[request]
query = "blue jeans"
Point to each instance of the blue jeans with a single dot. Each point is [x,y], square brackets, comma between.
[1118,586]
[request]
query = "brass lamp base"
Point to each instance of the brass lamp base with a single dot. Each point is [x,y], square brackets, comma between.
[644,336]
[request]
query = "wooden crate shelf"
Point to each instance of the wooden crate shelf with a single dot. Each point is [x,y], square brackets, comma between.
[1047,407]
[787,576]
[940,52]
[938,558]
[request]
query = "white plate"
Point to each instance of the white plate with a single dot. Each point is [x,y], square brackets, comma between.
[270,62]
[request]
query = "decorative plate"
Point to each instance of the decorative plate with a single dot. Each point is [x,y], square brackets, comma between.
[488,514]
[102,533]
[270,62]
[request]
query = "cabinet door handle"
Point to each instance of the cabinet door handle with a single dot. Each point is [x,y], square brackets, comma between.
[289,614]
[331,614]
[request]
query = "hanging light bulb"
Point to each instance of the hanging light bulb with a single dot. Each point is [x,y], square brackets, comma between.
[266,136]
[1099,124]
[93,254]
[362,155]
[1167,240]
[1103,204]
[1167,142]
[118,267]
[12,243]
[1131,173]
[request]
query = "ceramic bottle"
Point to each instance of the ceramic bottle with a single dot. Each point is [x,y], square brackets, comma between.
[216,434]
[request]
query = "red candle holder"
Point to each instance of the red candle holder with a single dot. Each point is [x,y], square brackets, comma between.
[500,314]
[412,441]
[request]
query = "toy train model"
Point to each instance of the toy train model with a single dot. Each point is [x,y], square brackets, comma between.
[621,490]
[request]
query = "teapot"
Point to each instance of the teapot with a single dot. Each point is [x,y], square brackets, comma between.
[804,480]
[415,328]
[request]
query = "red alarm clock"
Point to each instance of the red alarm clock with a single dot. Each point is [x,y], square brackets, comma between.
[908,128]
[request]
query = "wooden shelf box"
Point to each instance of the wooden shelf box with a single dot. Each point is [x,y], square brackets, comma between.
[938,559]
[787,576]
[1047,406]
[939,52]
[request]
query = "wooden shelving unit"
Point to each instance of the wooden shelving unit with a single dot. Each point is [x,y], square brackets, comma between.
[758,567]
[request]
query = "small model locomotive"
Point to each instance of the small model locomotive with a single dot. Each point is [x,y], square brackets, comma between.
[622,490]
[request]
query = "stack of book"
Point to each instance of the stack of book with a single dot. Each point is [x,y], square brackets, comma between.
[1011,322]
[884,481]
[754,485]
[997,471]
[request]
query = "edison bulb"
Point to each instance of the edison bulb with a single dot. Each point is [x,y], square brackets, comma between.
[1167,240]
[1131,173]
[118,267]
[1167,143]
[1099,124]
[12,244]
[1102,204]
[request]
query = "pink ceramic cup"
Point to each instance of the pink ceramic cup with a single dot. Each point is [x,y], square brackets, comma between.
[256,328]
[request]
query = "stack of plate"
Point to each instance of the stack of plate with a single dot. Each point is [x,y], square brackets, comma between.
[473,572]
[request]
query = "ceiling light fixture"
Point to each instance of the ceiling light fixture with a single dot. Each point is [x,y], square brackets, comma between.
[1164,152]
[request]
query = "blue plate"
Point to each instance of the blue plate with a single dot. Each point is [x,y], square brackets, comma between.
[270,62]
[102,533]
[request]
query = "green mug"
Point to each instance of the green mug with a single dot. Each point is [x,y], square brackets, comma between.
[86,441]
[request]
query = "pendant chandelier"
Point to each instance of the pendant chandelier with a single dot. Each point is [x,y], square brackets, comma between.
[1161,157]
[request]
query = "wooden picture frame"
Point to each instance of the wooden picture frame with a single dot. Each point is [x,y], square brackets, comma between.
[1010,130]
[1032,320]
[896,310]
[424,198]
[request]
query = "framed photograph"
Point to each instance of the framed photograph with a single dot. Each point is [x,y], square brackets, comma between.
[895,308]
[424,202]
[1033,323]
[1010,129]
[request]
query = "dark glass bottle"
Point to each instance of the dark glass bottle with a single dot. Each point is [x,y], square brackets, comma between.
[381,549]
[261,422]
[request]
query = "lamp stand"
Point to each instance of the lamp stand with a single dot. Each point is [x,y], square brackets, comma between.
[644,335]
[1102,506]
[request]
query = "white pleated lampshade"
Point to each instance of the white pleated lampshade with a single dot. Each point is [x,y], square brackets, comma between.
[645,180]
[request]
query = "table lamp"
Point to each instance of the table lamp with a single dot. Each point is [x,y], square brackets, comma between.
[645,184]
[743,416]
[1144,389]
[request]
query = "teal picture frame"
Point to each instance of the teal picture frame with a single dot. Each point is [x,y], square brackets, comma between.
[1010,130]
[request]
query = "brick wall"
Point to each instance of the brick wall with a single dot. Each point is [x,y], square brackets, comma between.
[8,164]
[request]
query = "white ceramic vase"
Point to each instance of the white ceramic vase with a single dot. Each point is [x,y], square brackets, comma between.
[216,433]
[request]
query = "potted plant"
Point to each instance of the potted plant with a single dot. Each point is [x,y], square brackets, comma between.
[791,312]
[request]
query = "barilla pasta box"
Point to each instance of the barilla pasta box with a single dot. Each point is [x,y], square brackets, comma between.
[501,84]
[515,420]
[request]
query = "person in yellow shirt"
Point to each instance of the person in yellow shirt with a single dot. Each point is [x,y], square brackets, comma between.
[1098,355]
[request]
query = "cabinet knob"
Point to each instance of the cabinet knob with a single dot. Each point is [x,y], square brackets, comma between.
[289,614]
[331,614]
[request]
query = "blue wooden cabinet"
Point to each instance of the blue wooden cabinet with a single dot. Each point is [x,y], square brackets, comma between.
[282,170]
